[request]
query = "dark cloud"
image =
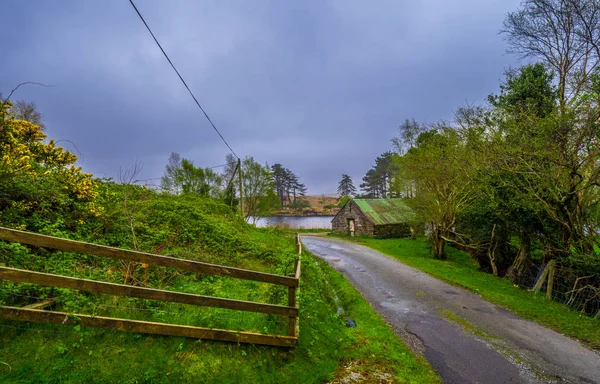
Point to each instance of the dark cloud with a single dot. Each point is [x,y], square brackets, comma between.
[317,86]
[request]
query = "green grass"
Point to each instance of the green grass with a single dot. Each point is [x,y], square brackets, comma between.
[40,353]
[462,271]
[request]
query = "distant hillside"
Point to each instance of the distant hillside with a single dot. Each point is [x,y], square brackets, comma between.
[325,204]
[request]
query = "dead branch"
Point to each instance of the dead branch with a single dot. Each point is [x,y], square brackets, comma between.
[24,83]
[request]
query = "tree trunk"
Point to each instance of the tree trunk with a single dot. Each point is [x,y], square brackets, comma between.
[439,244]
[518,265]
[550,285]
[492,252]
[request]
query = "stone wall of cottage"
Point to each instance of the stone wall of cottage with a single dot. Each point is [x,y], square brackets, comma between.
[362,225]
[391,230]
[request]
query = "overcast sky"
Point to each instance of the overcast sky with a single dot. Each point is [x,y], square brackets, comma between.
[318,86]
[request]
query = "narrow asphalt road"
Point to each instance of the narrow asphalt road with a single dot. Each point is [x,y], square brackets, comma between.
[510,349]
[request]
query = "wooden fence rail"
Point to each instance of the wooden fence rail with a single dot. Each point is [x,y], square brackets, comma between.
[46,279]
[141,257]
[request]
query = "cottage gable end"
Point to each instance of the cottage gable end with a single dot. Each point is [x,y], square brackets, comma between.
[363,225]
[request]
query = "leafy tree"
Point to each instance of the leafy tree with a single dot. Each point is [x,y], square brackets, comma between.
[346,187]
[500,138]
[259,197]
[564,34]
[168,180]
[537,174]
[201,181]
[560,163]
[267,204]
[437,164]
[181,176]
[408,131]
[554,160]
[527,91]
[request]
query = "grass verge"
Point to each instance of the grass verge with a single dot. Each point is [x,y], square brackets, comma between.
[462,271]
[373,347]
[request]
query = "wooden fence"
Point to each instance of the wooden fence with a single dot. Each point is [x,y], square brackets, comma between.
[291,311]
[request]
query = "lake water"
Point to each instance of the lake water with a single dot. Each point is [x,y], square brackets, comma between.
[296,222]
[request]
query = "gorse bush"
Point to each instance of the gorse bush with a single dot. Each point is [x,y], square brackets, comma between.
[41,188]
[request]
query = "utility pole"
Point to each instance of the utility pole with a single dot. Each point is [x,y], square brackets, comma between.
[241,187]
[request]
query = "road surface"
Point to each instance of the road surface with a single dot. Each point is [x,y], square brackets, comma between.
[509,349]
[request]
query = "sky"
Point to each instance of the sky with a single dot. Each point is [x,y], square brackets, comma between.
[317,86]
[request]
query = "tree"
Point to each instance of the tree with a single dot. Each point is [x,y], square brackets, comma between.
[528,91]
[553,158]
[280,175]
[377,180]
[191,179]
[408,133]
[371,185]
[181,176]
[258,185]
[527,97]
[565,34]
[537,173]
[229,182]
[287,185]
[168,180]
[346,187]
[26,110]
[438,165]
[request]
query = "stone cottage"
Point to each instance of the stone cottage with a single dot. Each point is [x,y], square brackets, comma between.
[381,218]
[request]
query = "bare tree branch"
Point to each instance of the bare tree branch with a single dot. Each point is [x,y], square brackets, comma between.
[24,83]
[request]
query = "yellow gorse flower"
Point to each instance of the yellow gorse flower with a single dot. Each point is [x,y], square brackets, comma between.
[25,153]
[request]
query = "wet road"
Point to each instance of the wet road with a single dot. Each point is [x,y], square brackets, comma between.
[508,349]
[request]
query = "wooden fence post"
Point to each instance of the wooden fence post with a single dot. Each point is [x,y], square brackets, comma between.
[538,284]
[292,291]
[292,303]
[298,245]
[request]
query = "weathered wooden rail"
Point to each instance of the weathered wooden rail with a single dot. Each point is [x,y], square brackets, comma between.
[39,315]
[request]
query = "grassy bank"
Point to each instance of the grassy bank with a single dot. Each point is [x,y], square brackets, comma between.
[205,230]
[461,270]
[328,349]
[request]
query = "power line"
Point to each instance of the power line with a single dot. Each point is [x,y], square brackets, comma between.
[181,78]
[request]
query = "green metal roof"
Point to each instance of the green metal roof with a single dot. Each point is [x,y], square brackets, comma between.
[385,211]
